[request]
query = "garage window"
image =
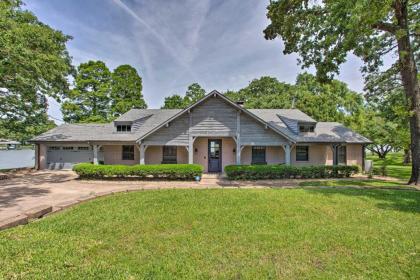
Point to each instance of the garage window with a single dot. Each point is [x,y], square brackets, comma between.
[53,148]
[128,152]
[68,148]
[83,148]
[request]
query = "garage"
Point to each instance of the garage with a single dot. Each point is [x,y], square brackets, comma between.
[64,157]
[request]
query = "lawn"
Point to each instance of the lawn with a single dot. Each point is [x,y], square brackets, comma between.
[394,166]
[354,182]
[224,234]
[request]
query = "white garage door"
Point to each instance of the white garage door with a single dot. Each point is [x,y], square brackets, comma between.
[64,157]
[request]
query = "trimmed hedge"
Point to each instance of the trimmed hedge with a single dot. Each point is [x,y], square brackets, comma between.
[277,171]
[158,171]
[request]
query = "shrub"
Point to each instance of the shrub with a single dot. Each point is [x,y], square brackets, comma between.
[277,171]
[165,171]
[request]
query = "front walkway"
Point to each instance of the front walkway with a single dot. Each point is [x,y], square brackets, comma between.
[59,189]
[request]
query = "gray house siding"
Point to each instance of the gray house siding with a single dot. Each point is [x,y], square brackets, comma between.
[213,117]
[175,134]
[255,133]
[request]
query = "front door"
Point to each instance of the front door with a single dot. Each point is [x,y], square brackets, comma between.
[215,155]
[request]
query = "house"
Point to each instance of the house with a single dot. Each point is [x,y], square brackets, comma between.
[213,132]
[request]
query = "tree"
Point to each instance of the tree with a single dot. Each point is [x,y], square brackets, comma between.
[194,93]
[174,102]
[383,133]
[265,92]
[89,100]
[324,32]
[385,94]
[126,90]
[34,63]
[324,102]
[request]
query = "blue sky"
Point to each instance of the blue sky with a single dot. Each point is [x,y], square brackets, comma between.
[173,43]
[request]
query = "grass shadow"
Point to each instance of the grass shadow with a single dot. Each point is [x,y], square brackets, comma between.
[405,201]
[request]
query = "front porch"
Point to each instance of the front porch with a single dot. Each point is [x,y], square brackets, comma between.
[214,153]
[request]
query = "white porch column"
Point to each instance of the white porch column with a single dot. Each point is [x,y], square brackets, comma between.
[190,150]
[142,150]
[238,137]
[95,154]
[190,139]
[287,153]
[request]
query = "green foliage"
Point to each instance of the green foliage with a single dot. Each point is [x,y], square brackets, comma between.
[394,165]
[332,101]
[323,33]
[126,87]
[34,63]
[276,171]
[90,100]
[353,183]
[174,102]
[100,96]
[164,171]
[194,93]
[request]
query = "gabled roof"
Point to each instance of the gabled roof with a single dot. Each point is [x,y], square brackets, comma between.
[216,93]
[147,121]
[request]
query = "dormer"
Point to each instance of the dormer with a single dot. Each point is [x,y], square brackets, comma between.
[123,127]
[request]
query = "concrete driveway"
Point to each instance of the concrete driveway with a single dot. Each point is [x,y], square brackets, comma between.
[31,189]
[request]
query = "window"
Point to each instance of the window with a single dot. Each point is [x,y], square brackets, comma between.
[68,148]
[53,148]
[169,154]
[258,155]
[128,152]
[124,128]
[306,128]
[341,155]
[83,148]
[302,153]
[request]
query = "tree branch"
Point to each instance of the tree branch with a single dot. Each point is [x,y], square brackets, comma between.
[387,27]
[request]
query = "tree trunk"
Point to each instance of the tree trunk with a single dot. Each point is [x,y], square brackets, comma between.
[407,157]
[408,71]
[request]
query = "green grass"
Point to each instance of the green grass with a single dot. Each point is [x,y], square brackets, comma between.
[223,234]
[355,182]
[395,168]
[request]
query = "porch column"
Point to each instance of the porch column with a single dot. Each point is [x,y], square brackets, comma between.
[190,150]
[287,153]
[190,139]
[95,154]
[238,137]
[142,150]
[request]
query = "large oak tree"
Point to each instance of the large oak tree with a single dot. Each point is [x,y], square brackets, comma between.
[324,32]
[34,63]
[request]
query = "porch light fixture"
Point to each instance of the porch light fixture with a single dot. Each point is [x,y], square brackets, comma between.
[195,150]
[234,150]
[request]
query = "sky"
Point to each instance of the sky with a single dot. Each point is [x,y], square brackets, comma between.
[174,43]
